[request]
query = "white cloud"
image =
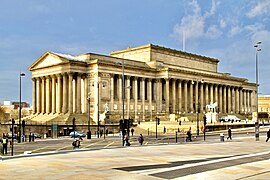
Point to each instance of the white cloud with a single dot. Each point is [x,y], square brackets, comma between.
[235,30]
[262,7]
[192,26]
[213,32]
[222,23]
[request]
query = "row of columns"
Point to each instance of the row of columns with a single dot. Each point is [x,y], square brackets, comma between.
[180,96]
[67,93]
[59,93]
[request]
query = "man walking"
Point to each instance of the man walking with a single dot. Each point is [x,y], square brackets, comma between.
[268,135]
[229,134]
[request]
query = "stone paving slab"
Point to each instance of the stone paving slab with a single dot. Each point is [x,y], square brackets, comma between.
[144,162]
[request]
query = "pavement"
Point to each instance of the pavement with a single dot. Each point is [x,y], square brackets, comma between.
[239,158]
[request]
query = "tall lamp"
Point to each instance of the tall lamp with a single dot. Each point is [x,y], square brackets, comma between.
[123,94]
[89,131]
[20,108]
[257,89]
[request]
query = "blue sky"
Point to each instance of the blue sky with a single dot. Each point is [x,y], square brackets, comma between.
[226,30]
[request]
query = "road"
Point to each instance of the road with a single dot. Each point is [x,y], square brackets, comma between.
[239,158]
[64,143]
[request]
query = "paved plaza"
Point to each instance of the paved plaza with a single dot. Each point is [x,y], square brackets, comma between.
[240,158]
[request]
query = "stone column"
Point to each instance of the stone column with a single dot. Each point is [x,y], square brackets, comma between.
[136,97]
[86,91]
[216,94]
[70,92]
[160,95]
[225,99]
[206,94]
[237,100]
[59,93]
[191,97]
[143,97]
[173,95]
[233,99]
[185,97]
[53,94]
[245,100]
[220,105]
[196,96]
[229,99]
[34,96]
[248,101]
[211,93]
[78,105]
[201,98]
[128,95]
[120,93]
[112,92]
[241,100]
[180,96]
[48,95]
[39,100]
[65,93]
[251,101]
[150,96]
[43,96]
[167,96]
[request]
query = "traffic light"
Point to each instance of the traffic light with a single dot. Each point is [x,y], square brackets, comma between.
[23,123]
[204,120]
[158,121]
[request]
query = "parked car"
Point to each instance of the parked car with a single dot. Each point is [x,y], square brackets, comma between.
[36,135]
[10,135]
[229,118]
[77,133]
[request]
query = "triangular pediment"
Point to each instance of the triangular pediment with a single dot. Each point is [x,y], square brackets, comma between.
[46,60]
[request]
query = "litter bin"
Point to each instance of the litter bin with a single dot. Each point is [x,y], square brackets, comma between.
[221,137]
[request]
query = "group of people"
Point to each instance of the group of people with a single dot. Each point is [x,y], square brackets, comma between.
[127,143]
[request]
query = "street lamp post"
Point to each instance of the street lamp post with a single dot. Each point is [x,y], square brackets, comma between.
[89,131]
[257,89]
[123,94]
[20,107]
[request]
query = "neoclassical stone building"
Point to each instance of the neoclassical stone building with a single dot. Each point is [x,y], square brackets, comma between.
[157,80]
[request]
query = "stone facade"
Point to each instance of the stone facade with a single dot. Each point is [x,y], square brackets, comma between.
[157,80]
[264,104]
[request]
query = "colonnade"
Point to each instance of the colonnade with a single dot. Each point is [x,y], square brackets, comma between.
[67,93]
[178,96]
[59,93]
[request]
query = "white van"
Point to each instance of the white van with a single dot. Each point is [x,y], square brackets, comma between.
[229,118]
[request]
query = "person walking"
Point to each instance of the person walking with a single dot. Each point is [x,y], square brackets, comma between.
[189,134]
[229,134]
[268,135]
[132,131]
[141,139]
[5,143]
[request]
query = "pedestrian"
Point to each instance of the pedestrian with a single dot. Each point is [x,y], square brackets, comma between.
[126,140]
[132,131]
[189,135]
[229,134]
[107,131]
[268,135]
[141,139]
[5,143]
[164,130]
